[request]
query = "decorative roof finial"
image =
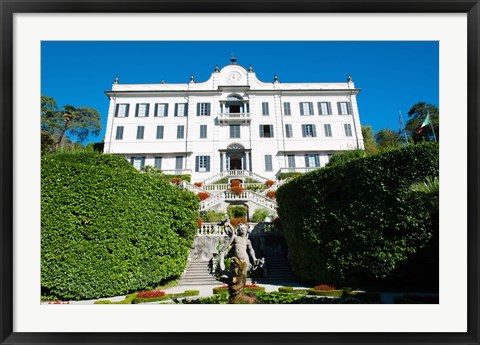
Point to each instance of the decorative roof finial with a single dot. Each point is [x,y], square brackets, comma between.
[217,69]
[349,78]
[250,69]
[163,81]
[116,81]
[233,59]
[275,78]
[192,78]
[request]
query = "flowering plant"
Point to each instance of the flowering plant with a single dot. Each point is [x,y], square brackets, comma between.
[269,183]
[151,294]
[198,184]
[271,194]
[199,221]
[237,189]
[237,221]
[176,180]
[324,287]
[203,195]
[235,183]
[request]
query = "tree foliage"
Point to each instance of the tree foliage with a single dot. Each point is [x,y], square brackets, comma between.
[59,125]
[108,229]
[343,157]
[417,115]
[388,139]
[368,140]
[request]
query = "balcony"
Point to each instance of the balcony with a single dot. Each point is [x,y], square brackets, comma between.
[234,118]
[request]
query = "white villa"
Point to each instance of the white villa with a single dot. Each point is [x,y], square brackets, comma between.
[233,125]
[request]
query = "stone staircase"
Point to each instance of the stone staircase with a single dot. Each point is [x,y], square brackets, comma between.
[197,273]
[277,272]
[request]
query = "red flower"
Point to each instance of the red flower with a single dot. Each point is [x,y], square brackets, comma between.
[198,184]
[237,221]
[151,294]
[203,195]
[199,221]
[235,183]
[269,183]
[325,287]
[237,190]
[271,194]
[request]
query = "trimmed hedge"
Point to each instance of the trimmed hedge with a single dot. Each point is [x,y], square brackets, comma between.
[170,296]
[289,289]
[224,290]
[329,293]
[356,221]
[108,229]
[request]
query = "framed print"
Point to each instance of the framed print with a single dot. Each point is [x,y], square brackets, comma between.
[147,105]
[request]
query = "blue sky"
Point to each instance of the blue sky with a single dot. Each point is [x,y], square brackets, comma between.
[392,75]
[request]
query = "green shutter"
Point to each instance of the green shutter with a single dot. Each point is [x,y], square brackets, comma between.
[136,109]
[147,110]
[198,109]
[208,163]
[197,163]
[176,110]
[166,110]
[116,110]
[301,108]
[155,113]
[314,131]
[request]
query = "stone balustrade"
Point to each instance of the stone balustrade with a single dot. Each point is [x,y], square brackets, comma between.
[213,229]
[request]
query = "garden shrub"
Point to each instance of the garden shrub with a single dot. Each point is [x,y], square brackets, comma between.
[108,229]
[284,176]
[260,214]
[357,221]
[329,293]
[289,289]
[166,297]
[249,288]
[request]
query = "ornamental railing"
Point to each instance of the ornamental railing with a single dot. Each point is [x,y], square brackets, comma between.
[246,195]
[235,173]
[213,229]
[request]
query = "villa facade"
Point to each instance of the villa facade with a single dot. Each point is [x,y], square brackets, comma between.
[232,122]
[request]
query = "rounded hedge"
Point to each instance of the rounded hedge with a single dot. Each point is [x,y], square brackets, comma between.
[108,229]
[356,221]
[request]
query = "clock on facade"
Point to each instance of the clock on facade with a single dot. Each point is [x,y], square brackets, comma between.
[234,77]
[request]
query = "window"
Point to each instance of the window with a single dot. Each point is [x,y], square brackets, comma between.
[309,131]
[268,163]
[202,163]
[140,132]
[288,131]
[161,110]
[122,110]
[181,109]
[119,134]
[158,163]
[324,108]
[265,108]
[234,131]
[180,131]
[291,161]
[306,108]
[344,108]
[312,160]
[348,130]
[266,131]
[137,162]
[203,109]
[286,109]
[160,132]
[328,129]
[203,131]
[141,109]
[178,162]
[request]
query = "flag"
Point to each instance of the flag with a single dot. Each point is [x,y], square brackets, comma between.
[425,122]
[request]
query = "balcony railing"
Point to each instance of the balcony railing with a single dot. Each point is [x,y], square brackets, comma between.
[297,170]
[242,118]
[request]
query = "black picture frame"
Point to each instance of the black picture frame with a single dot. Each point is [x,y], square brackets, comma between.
[10,7]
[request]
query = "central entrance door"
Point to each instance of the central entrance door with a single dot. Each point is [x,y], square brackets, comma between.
[235,163]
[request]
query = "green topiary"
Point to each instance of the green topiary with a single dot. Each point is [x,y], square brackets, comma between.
[357,221]
[108,229]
